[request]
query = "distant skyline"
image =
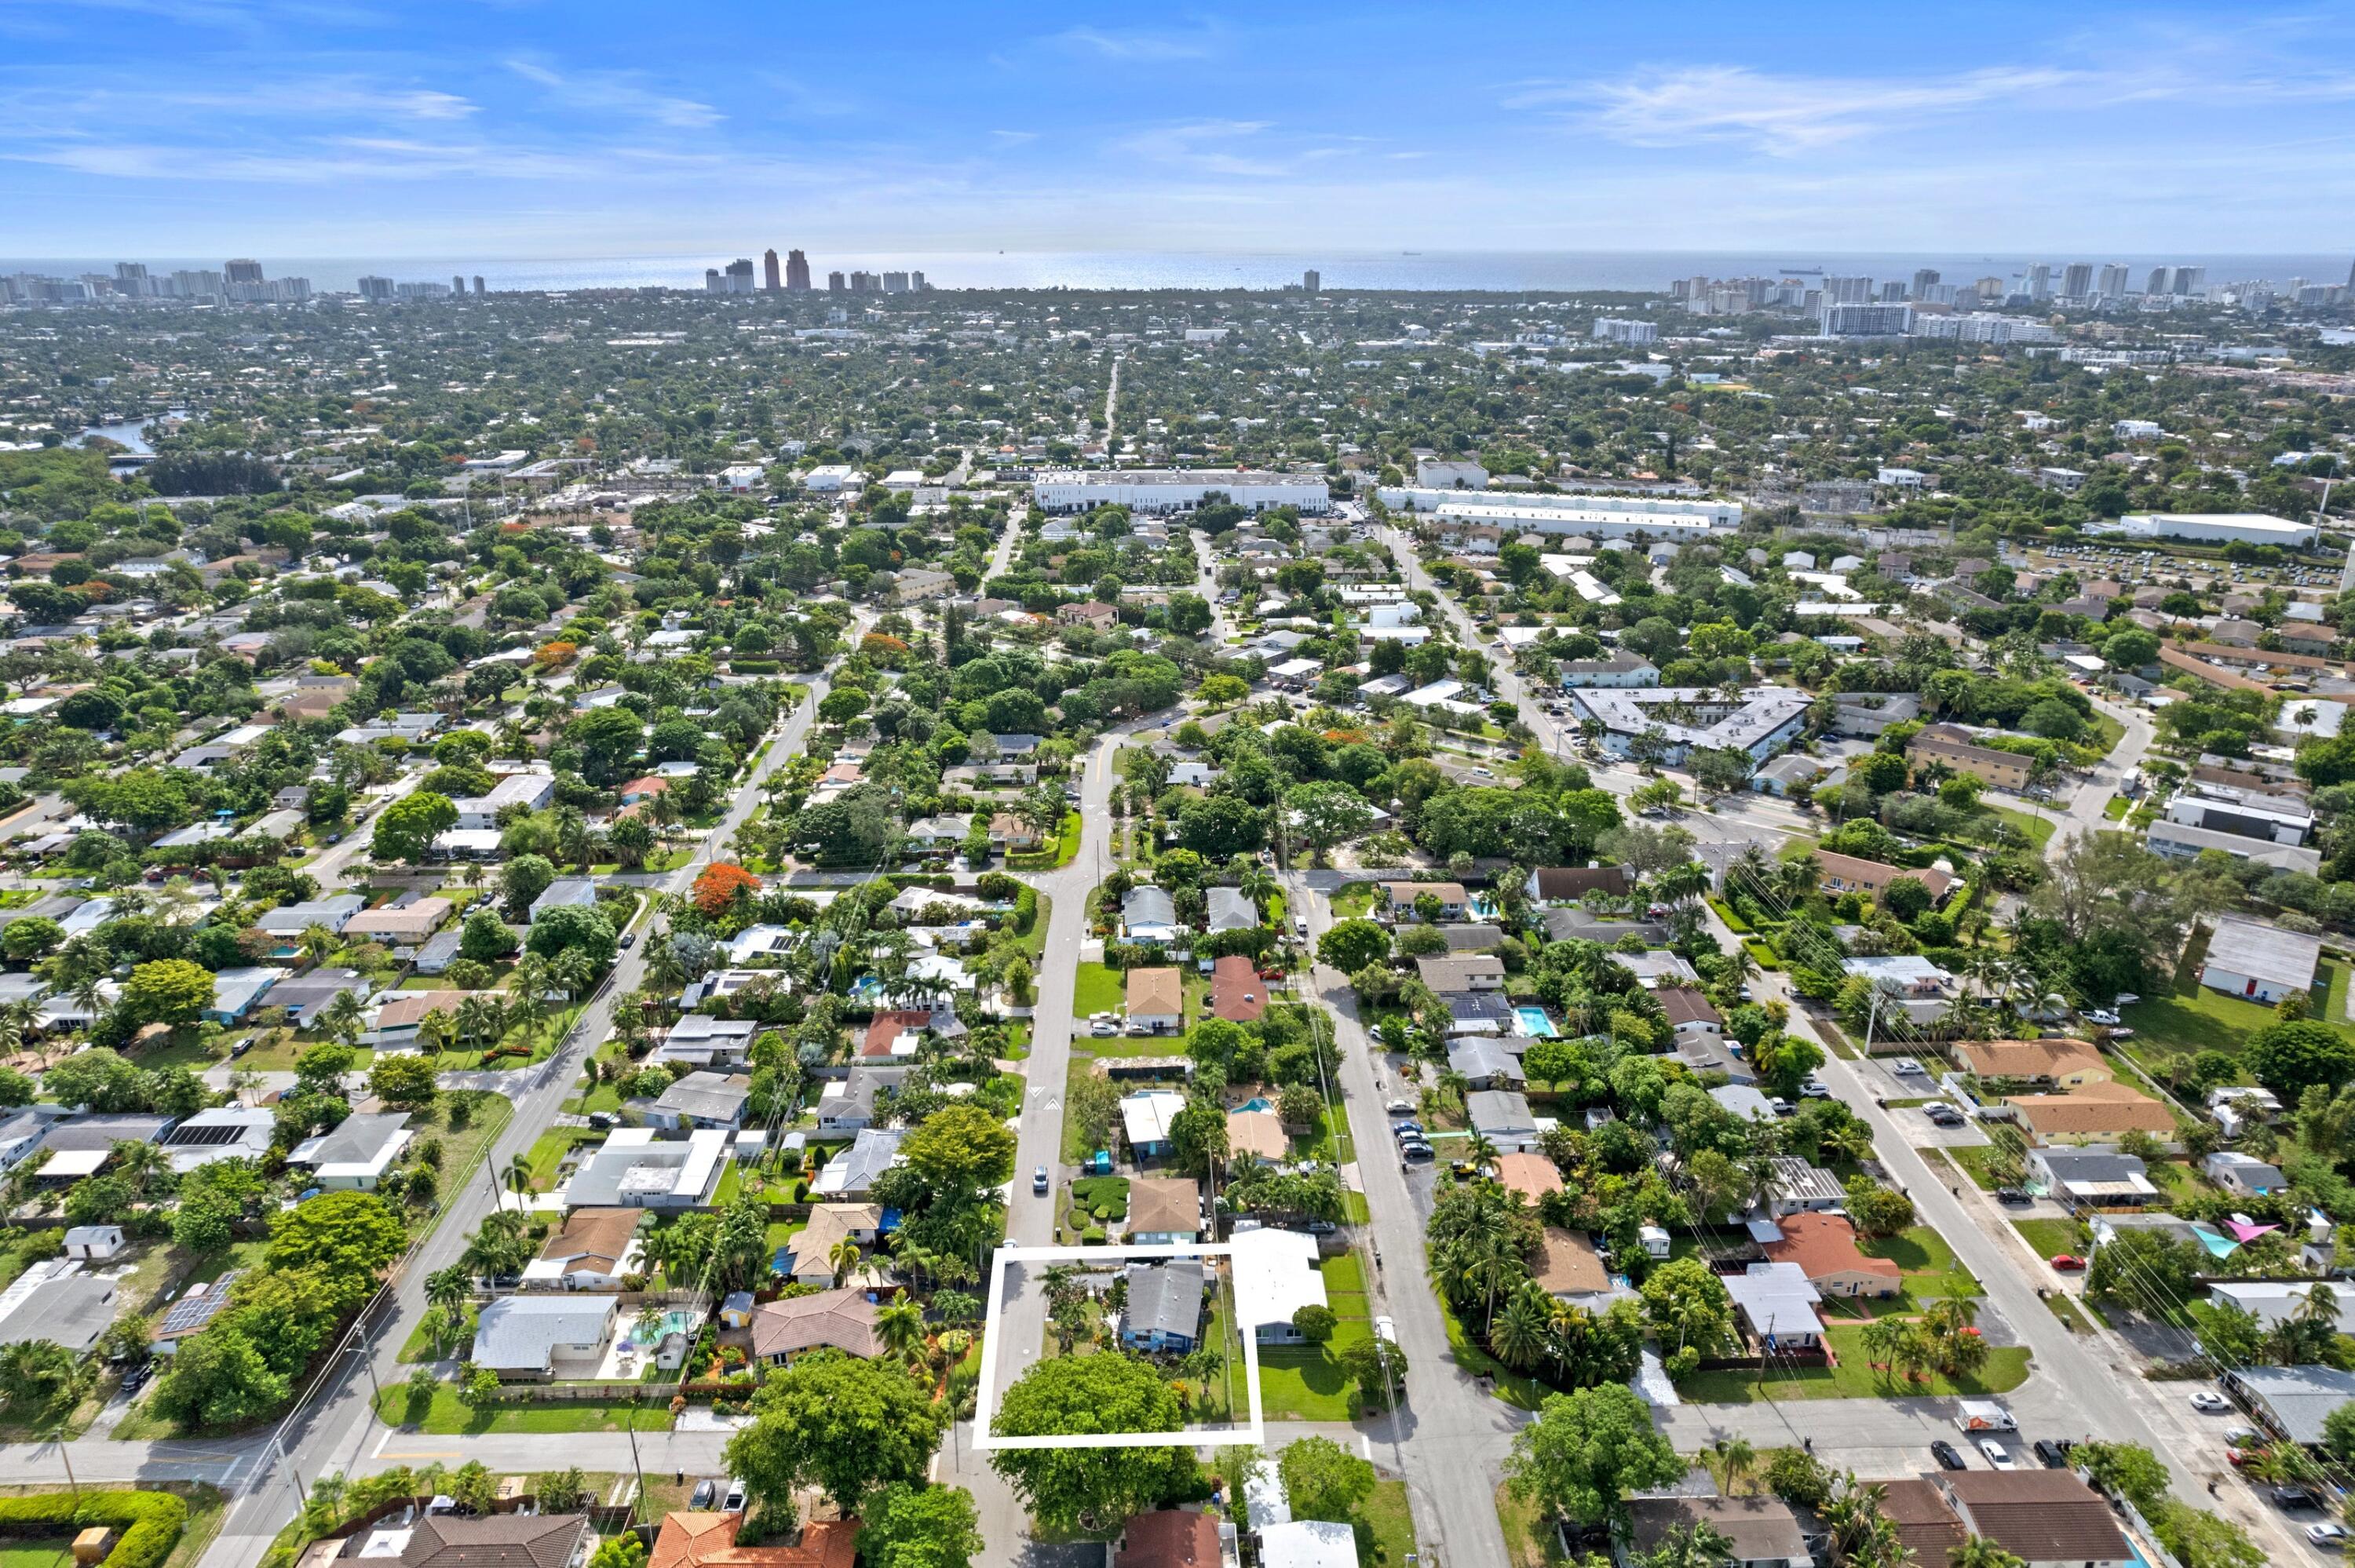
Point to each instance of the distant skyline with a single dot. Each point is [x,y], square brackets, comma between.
[308,128]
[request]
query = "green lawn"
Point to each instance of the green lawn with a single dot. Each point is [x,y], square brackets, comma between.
[1529,1538]
[2007,1369]
[2049,1238]
[446,1417]
[1352,899]
[2036,825]
[1973,1159]
[549,1148]
[1099,990]
[1521,1392]
[1930,1265]
[1303,1383]
[2190,1018]
[1385,1527]
[37,1554]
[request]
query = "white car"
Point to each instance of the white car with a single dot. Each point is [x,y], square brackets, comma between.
[2104,1016]
[2327,1534]
[1905,1065]
[1998,1455]
[1482,773]
[2209,1402]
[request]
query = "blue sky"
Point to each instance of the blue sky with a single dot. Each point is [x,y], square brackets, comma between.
[525,128]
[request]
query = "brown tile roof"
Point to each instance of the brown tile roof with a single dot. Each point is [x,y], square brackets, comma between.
[1577,881]
[497,1540]
[708,1541]
[1257,1132]
[402,1008]
[1568,1265]
[1825,1244]
[1237,993]
[831,1223]
[2044,1516]
[1172,1538]
[418,920]
[1406,892]
[1924,1523]
[1946,740]
[1856,869]
[2028,1058]
[656,784]
[1163,1204]
[2098,1108]
[1155,992]
[2175,659]
[884,1031]
[1531,1175]
[842,1319]
[1685,1005]
[595,1238]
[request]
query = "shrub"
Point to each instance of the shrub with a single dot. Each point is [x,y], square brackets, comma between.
[151,1522]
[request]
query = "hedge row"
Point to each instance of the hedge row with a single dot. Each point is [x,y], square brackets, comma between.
[151,1522]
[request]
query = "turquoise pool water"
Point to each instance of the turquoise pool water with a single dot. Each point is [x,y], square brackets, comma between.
[1534,1022]
[673,1323]
[1257,1103]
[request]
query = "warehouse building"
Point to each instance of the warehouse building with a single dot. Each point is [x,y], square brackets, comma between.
[1177,490]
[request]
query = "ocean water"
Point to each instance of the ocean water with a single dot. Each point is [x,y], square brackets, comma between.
[1390,270]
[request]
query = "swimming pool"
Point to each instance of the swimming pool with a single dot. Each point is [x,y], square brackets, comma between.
[673,1323]
[1534,1022]
[1257,1103]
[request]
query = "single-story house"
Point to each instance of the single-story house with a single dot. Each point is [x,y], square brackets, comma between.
[2257,961]
[702,1100]
[1156,1000]
[1258,1133]
[1760,1531]
[849,1105]
[1796,1187]
[56,1302]
[1163,1209]
[1479,1012]
[2059,1063]
[1824,1247]
[1277,1272]
[1776,1304]
[1232,909]
[1164,1306]
[1144,1119]
[494,1540]
[1170,1537]
[534,1339]
[405,927]
[592,1250]
[1237,993]
[852,1172]
[356,1153]
[1530,1175]
[1485,1063]
[2045,1517]
[1691,1016]
[1150,915]
[1568,1269]
[631,1171]
[1852,874]
[2095,1176]
[808,1259]
[1568,884]
[1473,971]
[1503,1118]
[708,1541]
[2244,1173]
[834,1319]
[1399,899]
[2099,1113]
[224,1132]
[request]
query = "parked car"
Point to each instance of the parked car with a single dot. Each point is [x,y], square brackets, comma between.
[1300,925]
[1815,1089]
[2295,1497]
[1038,1180]
[1906,1065]
[2329,1533]
[734,1501]
[2050,1452]
[2124,999]
[1943,1452]
[1414,1149]
[2207,1402]
[2069,1262]
[1998,1455]
[2121,1034]
[704,1490]
[1945,1116]
[1406,1129]
[1401,1108]
[2102,1015]
[2012,1195]
[1782,1106]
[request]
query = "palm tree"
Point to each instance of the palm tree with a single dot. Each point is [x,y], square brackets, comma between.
[435,1030]
[343,1016]
[1739,1458]
[1518,1337]
[1979,1552]
[449,1289]
[519,1173]
[1483,1152]
[900,1326]
[1860,1533]
[1880,1339]
[648,1323]
[317,942]
[843,1258]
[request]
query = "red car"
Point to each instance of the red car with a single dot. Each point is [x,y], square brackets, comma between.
[2067,1262]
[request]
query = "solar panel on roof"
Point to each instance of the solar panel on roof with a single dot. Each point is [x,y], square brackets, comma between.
[191,1313]
[185,1136]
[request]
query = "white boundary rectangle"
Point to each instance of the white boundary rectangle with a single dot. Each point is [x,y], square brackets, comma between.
[986,1397]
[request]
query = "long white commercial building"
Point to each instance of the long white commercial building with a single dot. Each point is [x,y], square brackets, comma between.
[1177,490]
[1595,516]
[2212,528]
[1688,718]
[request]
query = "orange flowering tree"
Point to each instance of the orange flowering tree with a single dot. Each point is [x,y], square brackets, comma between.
[719,884]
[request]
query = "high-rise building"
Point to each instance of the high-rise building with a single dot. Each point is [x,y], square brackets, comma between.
[241,271]
[713,283]
[2190,280]
[1845,291]
[895,282]
[2351,282]
[1310,282]
[797,272]
[916,283]
[1892,290]
[457,283]
[2040,280]
[739,275]
[2113,280]
[2077,283]
[1864,318]
[2157,282]
[768,277]
[1924,279]
[374,288]
[863,282]
[478,283]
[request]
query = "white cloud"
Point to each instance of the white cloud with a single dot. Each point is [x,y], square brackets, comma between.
[617,92]
[1786,114]
[1136,44]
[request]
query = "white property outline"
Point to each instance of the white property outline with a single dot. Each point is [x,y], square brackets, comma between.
[986,1407]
